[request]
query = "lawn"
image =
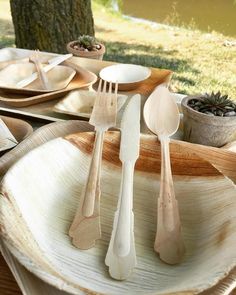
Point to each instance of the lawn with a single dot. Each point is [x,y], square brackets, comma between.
[200,61]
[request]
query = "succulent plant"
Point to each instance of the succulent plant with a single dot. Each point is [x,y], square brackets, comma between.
[86,43]
[214,104]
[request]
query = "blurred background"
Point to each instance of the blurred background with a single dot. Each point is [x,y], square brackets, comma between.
[195,39]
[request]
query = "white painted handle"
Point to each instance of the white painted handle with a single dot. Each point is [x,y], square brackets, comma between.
[169,243]
[120,268]
[92,180]
[122,233]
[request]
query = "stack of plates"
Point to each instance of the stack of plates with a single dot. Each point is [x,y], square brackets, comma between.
[15,67]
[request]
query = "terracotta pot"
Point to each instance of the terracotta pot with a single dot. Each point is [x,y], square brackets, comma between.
[87,54]
[205,129]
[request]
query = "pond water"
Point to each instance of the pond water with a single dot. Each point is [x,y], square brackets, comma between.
[205,15]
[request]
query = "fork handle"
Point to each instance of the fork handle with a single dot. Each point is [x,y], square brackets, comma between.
[91,185]
[42,75]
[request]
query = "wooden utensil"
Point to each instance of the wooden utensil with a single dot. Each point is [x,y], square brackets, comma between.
[121,254]
[162,118]
[85,228]
[41,73]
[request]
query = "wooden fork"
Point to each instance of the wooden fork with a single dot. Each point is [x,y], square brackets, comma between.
[85,228]
[42,75]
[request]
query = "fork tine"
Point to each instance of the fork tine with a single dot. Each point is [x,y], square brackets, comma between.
[103,94]
[109,95]
[114,96]
[99,86]
[99,94]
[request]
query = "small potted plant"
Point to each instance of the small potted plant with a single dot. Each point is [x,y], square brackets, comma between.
[86,46]
[209,119]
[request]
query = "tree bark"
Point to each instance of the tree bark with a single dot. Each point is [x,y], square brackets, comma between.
[48,25]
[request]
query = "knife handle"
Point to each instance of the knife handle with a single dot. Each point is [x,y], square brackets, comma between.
[92,180]
[122,237]
[121,255]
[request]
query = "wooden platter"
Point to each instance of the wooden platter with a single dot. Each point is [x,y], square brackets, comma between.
[202,191]
[83,78]
[11,55]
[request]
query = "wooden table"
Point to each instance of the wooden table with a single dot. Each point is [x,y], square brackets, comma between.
[8,285]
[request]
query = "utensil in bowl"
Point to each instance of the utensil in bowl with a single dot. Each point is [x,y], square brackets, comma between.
[121,254]
[34,57]
[85,228]
[56,61]
[162,118]
[19,97]
[127,76]
[59,76]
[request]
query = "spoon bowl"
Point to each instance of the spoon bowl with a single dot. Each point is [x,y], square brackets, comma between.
[161,115]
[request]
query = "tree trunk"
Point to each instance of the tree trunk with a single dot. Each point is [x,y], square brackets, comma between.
[48,25]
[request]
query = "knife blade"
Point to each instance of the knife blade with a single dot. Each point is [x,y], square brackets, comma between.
[121,255]
[130,131]
[52,63]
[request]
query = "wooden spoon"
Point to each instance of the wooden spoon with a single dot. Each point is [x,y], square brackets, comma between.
[162,118]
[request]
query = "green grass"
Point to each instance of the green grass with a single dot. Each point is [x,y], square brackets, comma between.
[7,37]
[200,61]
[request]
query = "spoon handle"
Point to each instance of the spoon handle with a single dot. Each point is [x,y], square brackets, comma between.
[168,243]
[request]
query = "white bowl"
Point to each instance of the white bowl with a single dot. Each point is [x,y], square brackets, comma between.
[126,75]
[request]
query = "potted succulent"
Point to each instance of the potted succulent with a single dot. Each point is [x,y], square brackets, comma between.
[209,119]
[86,46]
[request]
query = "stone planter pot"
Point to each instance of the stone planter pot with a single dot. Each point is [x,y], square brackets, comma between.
[87,54]
[206,129]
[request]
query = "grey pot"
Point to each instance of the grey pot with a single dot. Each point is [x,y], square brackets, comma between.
[205,129]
